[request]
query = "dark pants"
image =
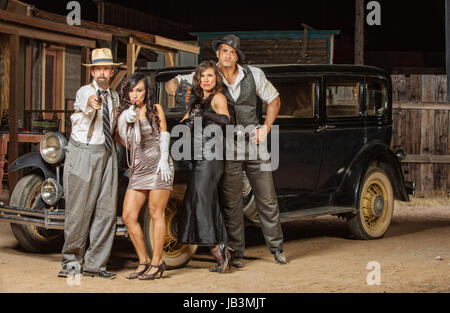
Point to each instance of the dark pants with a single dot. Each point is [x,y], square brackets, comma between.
[266,204]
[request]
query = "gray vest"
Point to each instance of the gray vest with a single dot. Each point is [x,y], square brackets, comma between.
[243,111]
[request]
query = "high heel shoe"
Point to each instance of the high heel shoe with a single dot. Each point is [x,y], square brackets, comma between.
[225,266]
[137,274]
[161,268]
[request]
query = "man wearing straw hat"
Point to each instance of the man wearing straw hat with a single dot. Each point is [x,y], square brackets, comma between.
[90,174]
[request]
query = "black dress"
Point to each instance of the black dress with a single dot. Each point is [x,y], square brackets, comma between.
[201,218]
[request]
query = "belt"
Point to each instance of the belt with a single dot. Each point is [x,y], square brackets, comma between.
[80,145]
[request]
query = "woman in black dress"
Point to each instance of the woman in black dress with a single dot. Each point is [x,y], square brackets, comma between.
[202,221]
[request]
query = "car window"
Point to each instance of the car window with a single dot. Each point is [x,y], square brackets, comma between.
[375,98]
[297,99]
[342,98]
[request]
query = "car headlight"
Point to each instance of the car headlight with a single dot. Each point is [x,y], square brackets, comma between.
[51,191]
[53,147]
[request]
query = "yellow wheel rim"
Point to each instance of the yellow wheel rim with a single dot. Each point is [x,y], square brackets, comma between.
[374,204]
[171,246]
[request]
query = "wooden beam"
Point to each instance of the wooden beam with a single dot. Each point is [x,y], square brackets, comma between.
[46,36]
[427,159]
[131,52]
[28,82]
[176,45]
[359,31]
[13,145]
[117,79]
[170,59]
[54,26]
[150,46]
[85,70]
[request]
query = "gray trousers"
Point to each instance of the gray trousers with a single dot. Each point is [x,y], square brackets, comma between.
[90,190]
[266,204]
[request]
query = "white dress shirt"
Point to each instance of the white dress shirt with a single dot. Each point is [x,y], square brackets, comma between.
[264,88]
[81,121]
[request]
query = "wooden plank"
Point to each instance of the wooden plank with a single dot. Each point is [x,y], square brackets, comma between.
[441,131]
[421,105]
[176,45]
[440,177]
[414,131]
[398,88]
[427,179]
[54,26]
[427,159]
[13,146]
[413,88]
[441,88]
[46,36]
[429,88]
[427,133]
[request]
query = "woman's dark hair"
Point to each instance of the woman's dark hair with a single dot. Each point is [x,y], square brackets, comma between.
[125,102]
[196,81]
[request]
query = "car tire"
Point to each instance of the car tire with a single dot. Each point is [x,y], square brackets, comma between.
[375,206]
[33,238]
[174,254]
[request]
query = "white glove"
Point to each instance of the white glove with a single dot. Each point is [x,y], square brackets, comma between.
[163,165]
[132,114]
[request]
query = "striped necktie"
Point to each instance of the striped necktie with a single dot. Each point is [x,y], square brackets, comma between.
[106,122]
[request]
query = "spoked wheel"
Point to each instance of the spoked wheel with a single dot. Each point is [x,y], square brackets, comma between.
[33,238]
[174,254]
[375,206]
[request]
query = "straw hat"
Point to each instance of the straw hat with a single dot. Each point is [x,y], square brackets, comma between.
[102,56]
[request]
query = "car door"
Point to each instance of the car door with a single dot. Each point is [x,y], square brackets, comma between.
[341,126]
[299,145]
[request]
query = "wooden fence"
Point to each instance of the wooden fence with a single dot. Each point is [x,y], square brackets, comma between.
[421,127]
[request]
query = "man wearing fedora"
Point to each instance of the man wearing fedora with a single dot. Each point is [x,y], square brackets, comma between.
[90,174]
[244,84]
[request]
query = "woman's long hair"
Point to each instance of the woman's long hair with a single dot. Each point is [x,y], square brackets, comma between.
[125,103]
[197,82]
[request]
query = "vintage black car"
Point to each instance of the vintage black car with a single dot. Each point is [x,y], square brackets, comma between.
[335,129]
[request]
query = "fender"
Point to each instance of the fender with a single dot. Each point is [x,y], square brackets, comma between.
[32,159]
[376,153]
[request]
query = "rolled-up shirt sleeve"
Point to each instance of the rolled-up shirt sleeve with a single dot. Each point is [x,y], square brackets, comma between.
[188,77]
[81,100]
[264,88]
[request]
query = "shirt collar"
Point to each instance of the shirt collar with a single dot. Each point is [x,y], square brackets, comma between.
[97,88]
[241,73]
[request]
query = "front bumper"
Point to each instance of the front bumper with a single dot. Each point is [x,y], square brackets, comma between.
[46,218]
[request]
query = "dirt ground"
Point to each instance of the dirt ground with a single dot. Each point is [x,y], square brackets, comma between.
[414,256]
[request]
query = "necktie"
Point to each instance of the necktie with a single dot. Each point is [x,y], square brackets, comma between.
[106,122]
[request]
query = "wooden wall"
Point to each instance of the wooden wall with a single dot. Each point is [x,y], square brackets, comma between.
[421,127]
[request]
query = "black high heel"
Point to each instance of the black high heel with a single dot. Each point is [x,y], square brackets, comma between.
[137,274]
[161,268]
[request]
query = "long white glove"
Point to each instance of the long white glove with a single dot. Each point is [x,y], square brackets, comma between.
[132,116]
[163,165]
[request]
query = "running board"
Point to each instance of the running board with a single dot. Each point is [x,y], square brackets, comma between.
[314,212]
[49,219]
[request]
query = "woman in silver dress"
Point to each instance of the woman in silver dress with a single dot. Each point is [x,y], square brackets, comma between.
[143,129]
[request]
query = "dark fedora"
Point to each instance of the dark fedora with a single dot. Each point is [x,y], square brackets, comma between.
[232,41]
